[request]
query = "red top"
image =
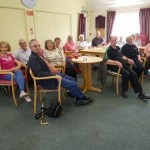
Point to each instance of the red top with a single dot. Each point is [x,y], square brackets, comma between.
[7,62]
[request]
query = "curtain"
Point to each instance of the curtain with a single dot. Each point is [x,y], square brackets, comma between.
[82,25]
[144,18]
[110,22]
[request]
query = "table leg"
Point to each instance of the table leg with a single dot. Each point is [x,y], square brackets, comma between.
[87,79]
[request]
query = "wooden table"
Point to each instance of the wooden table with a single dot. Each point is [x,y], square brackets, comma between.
[94,51]
[87,71]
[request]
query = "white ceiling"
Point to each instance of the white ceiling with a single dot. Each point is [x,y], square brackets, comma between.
[118,4]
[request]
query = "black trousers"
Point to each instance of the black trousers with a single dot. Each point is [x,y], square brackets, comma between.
[138,67]
[129,75]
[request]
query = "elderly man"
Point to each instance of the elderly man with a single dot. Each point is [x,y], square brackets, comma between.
[114,56]
[22,54]
[97,41]
[130,50]
[42,68]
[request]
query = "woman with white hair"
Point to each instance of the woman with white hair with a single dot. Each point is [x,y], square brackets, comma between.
[81,44]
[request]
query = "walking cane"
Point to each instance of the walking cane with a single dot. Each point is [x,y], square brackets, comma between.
[42,121]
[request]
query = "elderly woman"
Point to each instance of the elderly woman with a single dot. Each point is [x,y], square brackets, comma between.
[70,48]
[54,55]
[9,63]
[81,44]
[147,65]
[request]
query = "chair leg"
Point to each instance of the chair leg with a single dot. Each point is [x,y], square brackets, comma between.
[35,96]
[59,96]
[117,85]
[27,87]
[14,96]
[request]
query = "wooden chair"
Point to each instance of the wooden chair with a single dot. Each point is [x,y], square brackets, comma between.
[144,62]
[13,83]
[41,90]
[114,75]
[62,67]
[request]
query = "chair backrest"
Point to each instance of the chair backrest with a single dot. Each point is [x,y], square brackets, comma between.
[144,39]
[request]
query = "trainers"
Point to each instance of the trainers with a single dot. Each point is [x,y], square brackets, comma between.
[23,94]
[27,99]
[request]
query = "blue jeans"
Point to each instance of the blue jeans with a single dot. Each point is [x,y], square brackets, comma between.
[70,84]
[18,77]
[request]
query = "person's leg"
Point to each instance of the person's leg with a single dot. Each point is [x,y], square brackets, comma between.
[71,72]
[139,67]
[147,66]
[18,77]
[134,80]
[125,79]
[70,84]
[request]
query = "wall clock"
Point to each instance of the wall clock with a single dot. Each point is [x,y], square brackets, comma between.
[29,3]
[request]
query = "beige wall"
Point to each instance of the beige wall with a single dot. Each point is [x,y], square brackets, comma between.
[65,7]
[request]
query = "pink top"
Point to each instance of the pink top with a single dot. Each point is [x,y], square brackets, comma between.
[71,47]
[147,50]
[7,62]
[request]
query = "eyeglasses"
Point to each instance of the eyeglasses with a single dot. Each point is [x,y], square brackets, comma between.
[35,46]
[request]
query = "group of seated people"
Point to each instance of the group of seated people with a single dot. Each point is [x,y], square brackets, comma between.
[125,58]
[43,62]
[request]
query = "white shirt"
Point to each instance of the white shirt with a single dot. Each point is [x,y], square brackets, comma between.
[22,55]
[82,45]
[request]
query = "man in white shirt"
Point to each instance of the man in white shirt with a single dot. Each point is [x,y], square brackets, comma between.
[23,53]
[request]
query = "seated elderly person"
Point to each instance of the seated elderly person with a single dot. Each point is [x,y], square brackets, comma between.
[137,40]
[147,65]
[81,44]
[22,54]
[130,50]
[70,48]
[114,56]
[69,70]
[97,41]
[42,68]
[9,63]
[120,42]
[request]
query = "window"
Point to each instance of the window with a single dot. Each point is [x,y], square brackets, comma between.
[126,23]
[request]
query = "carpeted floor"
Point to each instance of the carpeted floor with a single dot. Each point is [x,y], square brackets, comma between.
[109,123]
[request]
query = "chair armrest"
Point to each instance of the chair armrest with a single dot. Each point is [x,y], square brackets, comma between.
[111,63]
[8,72]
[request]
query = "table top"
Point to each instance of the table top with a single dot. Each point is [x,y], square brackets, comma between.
[94,50]
[87,60]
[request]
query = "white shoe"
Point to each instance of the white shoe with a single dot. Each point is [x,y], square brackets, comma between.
[23,94]
[27,99]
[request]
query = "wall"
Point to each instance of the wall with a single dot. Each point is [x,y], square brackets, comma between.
[28,30]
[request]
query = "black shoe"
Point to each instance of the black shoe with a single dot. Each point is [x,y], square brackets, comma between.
[83,102]
[143,97]
[124,94]
[88,98]
[69,94]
